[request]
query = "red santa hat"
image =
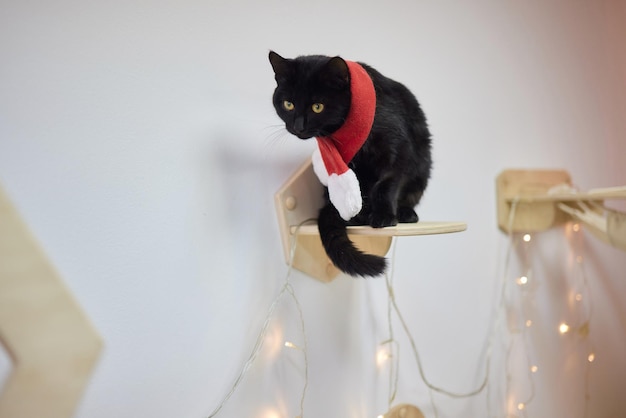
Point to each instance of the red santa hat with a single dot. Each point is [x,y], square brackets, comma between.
[334,152]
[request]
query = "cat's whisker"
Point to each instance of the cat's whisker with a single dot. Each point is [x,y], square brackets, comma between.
[274,127]
[275,138]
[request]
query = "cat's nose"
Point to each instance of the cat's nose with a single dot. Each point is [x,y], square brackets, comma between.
[298,125]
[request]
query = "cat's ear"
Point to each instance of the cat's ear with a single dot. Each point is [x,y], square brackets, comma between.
[336,73]
[281,66]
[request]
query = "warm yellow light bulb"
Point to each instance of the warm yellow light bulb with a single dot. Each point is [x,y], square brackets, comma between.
[529,322]
[289,344]
[563,328]
[270,413]
[382,356]
[526,237]
[521,406]
[591,357]
[578,297]
[576,227]
[534,369]
[522,280]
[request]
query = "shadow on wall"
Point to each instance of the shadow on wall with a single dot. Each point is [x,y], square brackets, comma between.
[238,205]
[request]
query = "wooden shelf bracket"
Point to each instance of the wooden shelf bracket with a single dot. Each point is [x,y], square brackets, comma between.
[536,200]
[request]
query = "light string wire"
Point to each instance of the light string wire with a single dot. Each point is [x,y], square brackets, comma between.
[526,345]
[578,255]
[286,288]
[394,374]
[500,309]
[523,326]
[394,371]
[525,339]
[523,333]
[418,359]
[392,305]
[576,249]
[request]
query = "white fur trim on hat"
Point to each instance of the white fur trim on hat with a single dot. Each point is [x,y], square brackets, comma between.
[318,166]
[345,194]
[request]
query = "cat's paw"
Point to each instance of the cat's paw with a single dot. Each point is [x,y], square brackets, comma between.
[362,218]
[407,216]
[381,220]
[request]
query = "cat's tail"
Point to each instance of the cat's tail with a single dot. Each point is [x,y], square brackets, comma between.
[341,251]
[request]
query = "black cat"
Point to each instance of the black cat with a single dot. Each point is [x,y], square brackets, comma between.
[314,97]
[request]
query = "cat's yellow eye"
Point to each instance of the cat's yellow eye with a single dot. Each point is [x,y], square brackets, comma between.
[288,105]
[318,107]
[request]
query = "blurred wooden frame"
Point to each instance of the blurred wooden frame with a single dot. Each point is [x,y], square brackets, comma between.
[52,345]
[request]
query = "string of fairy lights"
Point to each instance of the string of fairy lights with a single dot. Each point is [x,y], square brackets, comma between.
[519,306]
[512,325]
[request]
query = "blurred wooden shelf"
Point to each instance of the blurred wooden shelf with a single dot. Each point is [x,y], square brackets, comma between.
[535,200]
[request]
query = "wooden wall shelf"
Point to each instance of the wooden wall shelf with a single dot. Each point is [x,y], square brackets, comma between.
[546,198]
[400,230]
[297,205]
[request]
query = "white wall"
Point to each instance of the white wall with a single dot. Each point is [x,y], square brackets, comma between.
[138,140]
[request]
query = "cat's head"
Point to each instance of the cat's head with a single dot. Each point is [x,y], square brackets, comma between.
[313,93]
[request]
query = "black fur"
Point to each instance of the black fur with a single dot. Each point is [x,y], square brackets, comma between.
[393,165]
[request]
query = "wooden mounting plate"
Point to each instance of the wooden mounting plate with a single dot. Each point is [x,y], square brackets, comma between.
[297,205]
[528,188]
